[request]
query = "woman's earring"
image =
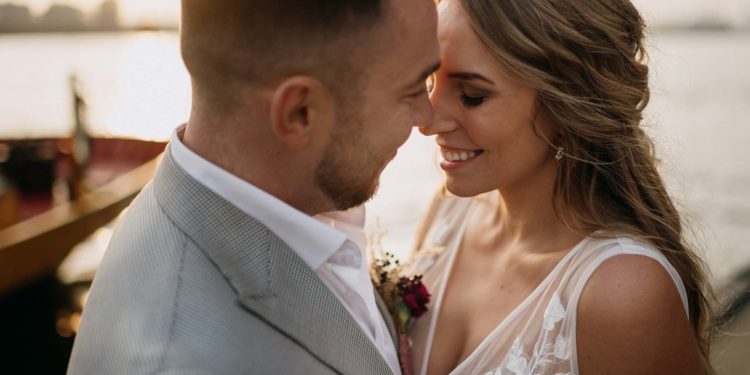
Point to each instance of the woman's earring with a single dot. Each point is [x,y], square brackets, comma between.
[560,153]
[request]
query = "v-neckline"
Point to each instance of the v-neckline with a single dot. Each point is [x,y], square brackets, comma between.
[512,315]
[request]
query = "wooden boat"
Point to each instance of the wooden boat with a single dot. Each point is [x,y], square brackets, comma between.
[49,201]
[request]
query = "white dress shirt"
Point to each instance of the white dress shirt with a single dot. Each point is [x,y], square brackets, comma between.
[332,244]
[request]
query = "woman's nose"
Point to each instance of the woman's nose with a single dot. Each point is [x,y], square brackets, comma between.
[442,120]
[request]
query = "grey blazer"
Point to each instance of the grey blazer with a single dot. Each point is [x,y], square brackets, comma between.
[192,285]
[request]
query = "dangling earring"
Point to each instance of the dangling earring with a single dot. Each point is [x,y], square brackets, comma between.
[560,153]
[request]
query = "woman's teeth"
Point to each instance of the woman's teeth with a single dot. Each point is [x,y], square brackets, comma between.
[454,156]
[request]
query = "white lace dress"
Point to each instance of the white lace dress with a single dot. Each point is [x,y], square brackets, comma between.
[538,337]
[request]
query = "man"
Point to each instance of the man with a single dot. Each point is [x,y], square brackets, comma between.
[219,266]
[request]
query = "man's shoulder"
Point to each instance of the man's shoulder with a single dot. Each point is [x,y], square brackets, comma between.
[141,266]
[145,220]
[129,314]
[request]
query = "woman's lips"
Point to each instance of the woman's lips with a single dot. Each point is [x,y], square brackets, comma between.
[456,158]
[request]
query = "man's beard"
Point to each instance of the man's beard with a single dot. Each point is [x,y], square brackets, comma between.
[349,172]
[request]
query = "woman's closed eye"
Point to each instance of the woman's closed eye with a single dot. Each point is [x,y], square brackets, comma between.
[472,101]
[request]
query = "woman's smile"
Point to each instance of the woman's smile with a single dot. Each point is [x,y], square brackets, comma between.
[454,158]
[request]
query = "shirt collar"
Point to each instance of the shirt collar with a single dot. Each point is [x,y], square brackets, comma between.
[350,222]
[312,240]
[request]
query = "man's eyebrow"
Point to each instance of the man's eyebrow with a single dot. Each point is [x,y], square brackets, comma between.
[469,76]
[425,74]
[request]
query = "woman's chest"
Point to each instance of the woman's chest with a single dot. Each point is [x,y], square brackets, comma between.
[478,298]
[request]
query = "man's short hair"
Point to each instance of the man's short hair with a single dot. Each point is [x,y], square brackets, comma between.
[228,45]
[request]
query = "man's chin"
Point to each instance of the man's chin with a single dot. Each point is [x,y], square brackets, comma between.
[347,190]
[354,198]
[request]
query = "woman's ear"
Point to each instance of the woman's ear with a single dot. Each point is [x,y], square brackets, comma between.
[295,110]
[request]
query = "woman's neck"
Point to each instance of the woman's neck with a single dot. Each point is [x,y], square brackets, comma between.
[525,215]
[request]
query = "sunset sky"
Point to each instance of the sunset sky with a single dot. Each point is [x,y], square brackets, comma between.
[656,11]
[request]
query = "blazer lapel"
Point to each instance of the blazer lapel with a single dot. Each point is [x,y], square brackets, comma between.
[388,319]
[304,308]
[271,281]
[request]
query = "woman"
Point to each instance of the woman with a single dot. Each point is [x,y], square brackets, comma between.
[558,249]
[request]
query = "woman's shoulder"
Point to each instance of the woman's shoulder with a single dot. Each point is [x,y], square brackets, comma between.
[632,304]
[626,263]
[622,270]
[602,248]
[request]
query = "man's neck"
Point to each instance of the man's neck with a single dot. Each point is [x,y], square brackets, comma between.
[252,160]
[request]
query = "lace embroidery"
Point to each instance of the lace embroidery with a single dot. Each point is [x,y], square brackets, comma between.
[545,353]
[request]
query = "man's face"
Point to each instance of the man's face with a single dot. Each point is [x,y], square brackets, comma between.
[394,99]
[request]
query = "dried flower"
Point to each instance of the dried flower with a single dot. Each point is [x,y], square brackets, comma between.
[406,297]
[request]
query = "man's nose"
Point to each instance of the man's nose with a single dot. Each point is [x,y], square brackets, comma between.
[425,115]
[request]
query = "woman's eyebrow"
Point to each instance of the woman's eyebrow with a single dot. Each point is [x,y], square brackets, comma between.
[469,76]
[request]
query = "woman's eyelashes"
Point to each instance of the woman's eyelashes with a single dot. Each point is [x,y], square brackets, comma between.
[471,100]
[470,96]
[468,100]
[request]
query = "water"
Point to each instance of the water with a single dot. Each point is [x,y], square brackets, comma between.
[135,83]
[137,87]
[699,116]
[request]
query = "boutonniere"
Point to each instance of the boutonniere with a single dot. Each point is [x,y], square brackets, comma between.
[405,296]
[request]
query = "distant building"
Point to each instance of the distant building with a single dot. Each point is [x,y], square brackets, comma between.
[108,17]
[15,18]
[62,18]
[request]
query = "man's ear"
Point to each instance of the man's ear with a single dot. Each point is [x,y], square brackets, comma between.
[296,108]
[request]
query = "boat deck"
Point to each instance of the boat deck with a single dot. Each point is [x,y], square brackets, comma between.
[39,227]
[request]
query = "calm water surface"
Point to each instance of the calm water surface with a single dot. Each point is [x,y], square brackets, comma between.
[137,87]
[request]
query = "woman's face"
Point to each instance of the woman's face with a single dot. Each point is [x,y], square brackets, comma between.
[484,116]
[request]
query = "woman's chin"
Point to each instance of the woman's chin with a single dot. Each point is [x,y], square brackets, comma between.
[462,188]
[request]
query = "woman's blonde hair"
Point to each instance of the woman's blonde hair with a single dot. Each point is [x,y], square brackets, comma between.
[587,61]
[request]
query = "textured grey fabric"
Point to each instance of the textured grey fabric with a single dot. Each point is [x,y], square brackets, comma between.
[192,285]
[388,319]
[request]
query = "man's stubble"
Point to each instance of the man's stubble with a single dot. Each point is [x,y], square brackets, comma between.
[349,172]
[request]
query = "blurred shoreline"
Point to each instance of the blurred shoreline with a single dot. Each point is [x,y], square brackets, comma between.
[121,30]
[65,18]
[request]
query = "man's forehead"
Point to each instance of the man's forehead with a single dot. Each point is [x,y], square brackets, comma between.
[405,18]
[414,47]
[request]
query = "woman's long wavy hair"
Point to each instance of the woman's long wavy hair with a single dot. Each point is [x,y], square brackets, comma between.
[587,61]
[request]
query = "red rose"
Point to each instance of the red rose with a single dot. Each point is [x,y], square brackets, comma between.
[415,295]
[411,303]
[421,292]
